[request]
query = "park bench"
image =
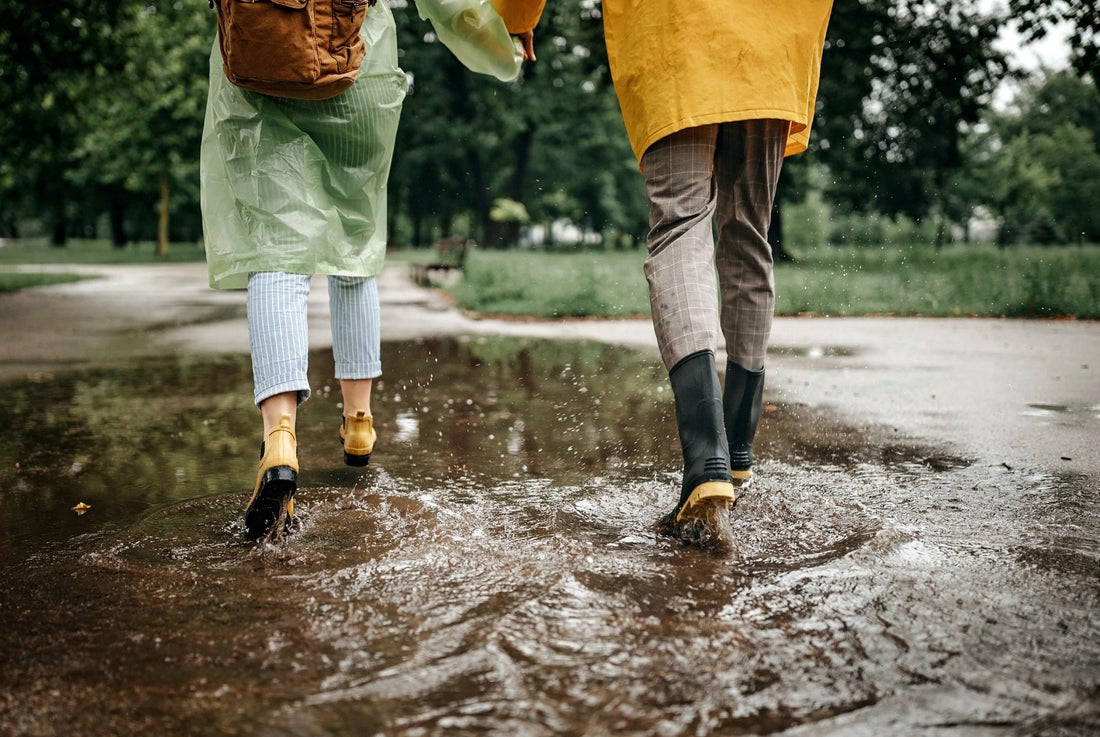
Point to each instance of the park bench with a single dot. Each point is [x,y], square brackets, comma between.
[446,264]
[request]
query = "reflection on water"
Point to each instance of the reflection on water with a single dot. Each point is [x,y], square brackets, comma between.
[494,571]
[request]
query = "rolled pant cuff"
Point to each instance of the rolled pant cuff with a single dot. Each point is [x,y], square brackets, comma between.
[358,371]
[270,389]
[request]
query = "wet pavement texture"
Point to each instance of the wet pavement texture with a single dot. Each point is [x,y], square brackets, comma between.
[495,570]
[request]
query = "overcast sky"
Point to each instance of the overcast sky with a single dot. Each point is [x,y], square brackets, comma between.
[1052,51]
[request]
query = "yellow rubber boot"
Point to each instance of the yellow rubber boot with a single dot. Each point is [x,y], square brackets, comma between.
[357,436]
[276,481]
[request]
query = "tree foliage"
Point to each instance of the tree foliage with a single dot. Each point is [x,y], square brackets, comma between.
[48,54]
[901,82]
[103,107]
[1035,18]
[144,123]
[1039,163]
[538,140]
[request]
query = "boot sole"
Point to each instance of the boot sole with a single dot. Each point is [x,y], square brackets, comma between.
[354,460]
[705,499]
[270,501]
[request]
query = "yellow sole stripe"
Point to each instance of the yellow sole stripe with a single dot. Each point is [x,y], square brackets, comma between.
[708,491]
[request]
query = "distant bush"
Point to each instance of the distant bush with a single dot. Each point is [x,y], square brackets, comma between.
[1022,281]
[956,280]
[581,284]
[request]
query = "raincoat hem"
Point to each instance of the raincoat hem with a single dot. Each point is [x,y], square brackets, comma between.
[798,124]
[238,278]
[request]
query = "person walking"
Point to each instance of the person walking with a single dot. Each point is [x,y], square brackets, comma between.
[714,95]
[297,187]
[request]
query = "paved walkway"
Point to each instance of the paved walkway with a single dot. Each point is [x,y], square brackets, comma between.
[1020,392]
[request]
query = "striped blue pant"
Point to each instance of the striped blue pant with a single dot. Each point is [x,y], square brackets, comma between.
[278,331]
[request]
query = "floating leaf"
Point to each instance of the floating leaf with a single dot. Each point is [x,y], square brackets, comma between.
[81,508]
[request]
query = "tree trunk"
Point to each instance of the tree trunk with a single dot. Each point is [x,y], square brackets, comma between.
[775,236]
[417,228]
[446,221]
[941,230]
[517,190]
[162,220]
[117,209]
[59,235]
[521,155]
[483,198]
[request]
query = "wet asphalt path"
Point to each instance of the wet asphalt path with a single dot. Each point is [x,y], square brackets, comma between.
[918,556]
[1013,392]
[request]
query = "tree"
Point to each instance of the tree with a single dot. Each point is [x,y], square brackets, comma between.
[551,140]
[1038,162]
[48,54]
[901,82]
[791,188]
[1034,18]
[145,143]
[1047,100]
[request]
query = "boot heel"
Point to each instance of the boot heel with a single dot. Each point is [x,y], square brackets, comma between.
[277,487]
[280,477]
[357,435]
[355,460]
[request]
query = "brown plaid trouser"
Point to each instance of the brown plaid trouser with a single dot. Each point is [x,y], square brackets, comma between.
[726,171]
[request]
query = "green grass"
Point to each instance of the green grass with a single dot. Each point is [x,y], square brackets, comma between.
[920,280]
[76,251]
[827,280]
[11,282]
[34,251]
[527,283]
[952,281]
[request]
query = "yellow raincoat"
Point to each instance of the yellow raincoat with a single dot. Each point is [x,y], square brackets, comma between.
[682,65]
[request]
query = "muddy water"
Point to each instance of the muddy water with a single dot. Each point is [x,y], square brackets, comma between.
[494,571]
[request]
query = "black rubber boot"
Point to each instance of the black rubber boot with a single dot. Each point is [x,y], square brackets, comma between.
[699,421]
[741,408]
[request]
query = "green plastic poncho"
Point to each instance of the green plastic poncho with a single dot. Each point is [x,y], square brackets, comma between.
[299,186]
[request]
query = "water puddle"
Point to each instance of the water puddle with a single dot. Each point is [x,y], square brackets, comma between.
[1062,412]
[815,351]
[495,570]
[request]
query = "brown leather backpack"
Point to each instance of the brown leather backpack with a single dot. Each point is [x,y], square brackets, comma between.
[305,49]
